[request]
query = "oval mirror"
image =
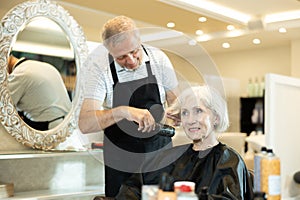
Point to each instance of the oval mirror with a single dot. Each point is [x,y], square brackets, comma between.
[73,51]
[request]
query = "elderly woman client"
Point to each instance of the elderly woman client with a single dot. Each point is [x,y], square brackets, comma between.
[207,162]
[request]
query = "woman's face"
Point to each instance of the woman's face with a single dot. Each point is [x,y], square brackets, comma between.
[197,120]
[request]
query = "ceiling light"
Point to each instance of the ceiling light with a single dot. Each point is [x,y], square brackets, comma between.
[230,27]
[203,38]
[256,41]
[161,35]
[192,42]
[171,25]
[43,49]
[210,9]
[44,23]
[235,33]
[226,45]
[282,30]
[199,32]
[284,16]
[202,19]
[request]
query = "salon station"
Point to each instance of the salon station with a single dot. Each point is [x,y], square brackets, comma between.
[247,50]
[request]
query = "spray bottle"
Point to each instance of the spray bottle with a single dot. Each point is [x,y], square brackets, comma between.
[270,176]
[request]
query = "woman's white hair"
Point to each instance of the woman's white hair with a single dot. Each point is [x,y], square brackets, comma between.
[211,98]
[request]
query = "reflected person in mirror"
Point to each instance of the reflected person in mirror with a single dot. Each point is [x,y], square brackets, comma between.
[38,92]
[206,161]
[128,86]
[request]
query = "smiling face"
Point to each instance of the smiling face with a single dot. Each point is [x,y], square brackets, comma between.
[197,120]
[127,53]
[203,114]
[125,47]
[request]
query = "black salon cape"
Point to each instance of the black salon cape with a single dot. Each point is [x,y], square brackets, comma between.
[220,168]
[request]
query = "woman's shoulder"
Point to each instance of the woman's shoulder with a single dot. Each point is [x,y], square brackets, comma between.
[228,154]
[176,151]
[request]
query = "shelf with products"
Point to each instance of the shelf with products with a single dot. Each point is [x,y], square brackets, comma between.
[251,114]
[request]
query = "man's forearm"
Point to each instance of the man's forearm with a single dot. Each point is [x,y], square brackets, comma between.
[97,120]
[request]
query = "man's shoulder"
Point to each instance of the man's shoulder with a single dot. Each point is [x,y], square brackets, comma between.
[98,58]
[153,50]
[97,52]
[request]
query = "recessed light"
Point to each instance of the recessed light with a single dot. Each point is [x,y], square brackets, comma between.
[234,33]
[282,30]
[230,27]
[171,25]
[256,41]
[226,45]
[199,32]
[192,42]
[202,19]
[203,38]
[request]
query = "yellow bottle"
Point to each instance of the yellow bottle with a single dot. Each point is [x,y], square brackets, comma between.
[270,176]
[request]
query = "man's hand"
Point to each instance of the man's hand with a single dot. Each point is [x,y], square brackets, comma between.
[142,117]
[175,118]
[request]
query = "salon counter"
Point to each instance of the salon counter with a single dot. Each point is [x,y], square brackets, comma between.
[53,174]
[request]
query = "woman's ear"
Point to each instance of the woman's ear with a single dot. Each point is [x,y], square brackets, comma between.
[216,121]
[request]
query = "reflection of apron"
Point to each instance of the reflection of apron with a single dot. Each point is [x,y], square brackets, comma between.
[141,93]
[40,125]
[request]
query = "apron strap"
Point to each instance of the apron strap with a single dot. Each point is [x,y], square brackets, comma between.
[149,71]
[113,70]
[39,125]
[61,117]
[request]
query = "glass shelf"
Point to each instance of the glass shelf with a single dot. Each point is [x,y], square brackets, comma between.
[94,190]
[40,154]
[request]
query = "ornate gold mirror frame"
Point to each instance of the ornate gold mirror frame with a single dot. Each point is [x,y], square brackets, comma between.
[11,24]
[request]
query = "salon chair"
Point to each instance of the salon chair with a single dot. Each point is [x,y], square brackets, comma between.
[235,140]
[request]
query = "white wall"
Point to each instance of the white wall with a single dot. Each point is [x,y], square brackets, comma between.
[295,58]
[247,64]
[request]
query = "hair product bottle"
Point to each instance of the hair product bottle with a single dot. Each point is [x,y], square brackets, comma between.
[203,195]
[270,176]
[257,168]
[166,188]
[259,196]
[186,192]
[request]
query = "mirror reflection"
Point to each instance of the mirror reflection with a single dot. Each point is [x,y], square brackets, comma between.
[62,46]
[41,81]
[38,92]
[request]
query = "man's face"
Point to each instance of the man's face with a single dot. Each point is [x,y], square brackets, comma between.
[127,53]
